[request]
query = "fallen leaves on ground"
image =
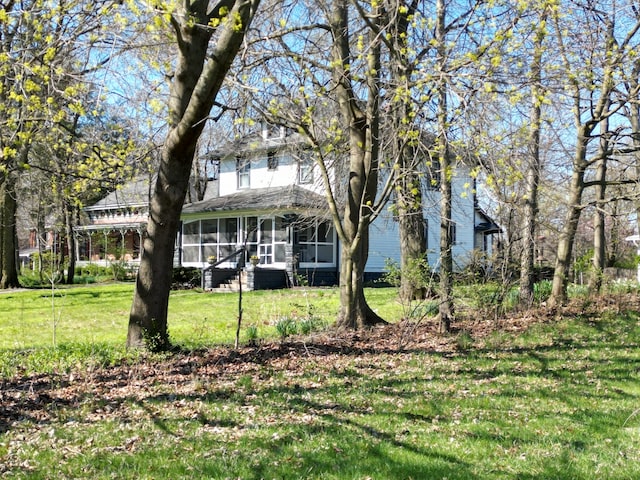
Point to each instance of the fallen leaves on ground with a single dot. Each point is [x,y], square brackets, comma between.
[111,390]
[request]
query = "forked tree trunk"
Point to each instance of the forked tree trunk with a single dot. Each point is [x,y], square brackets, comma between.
[363,128]
[199,74]
[354,312]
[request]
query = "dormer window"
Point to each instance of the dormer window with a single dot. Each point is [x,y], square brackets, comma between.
[243,169]
[272,160]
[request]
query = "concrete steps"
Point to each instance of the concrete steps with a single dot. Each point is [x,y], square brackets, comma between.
[232,285]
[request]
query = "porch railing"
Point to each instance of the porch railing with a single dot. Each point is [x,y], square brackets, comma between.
[239,264]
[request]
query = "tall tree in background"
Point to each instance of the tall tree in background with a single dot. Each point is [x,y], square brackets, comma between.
[406,142]
[333,101]
[592,68]
[43,52]
[207,40]
[442,158]
[533,159]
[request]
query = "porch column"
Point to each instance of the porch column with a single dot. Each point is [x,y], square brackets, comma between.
[290,261]
[123,245]
[105,233]
[140,233]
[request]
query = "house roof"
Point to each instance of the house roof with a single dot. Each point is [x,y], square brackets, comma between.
[488,225]
[633,239]
[267,138]
[131,194]
[291,197]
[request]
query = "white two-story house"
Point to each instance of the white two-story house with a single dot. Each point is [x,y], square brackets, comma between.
[265,203]
[270,204]
[269,209]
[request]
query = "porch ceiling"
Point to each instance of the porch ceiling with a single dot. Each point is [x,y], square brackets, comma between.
[277,198]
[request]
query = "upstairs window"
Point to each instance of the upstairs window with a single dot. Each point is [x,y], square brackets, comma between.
[305,171]
[272,160]
[243,169]
[212,168]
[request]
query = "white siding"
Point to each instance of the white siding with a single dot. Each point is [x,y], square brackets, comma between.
[385,237]
[462,213]
[384,243]
[261,176]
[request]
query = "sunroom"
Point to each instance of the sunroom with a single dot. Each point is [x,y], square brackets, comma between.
[282,231]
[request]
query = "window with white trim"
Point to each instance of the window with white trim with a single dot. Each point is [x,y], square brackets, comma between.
[206,238]
[243,169]
[315,243]
[305,171]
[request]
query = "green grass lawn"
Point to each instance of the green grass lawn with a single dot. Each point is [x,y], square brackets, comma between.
[99,313]
[560,400]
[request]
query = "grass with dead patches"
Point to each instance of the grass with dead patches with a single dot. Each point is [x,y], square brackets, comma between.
[560,400]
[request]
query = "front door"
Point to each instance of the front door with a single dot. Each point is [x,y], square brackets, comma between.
[272,238]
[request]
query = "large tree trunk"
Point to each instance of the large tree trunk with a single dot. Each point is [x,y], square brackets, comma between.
[599,250]
[8,242]
[355,312]
[446,311]
[570,226]
[530,214]
[363,128]
[195,84]
[148,318]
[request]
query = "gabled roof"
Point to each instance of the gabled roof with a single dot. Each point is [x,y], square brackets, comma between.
[291,197]
[488,225]
[131,194]
[257,142]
